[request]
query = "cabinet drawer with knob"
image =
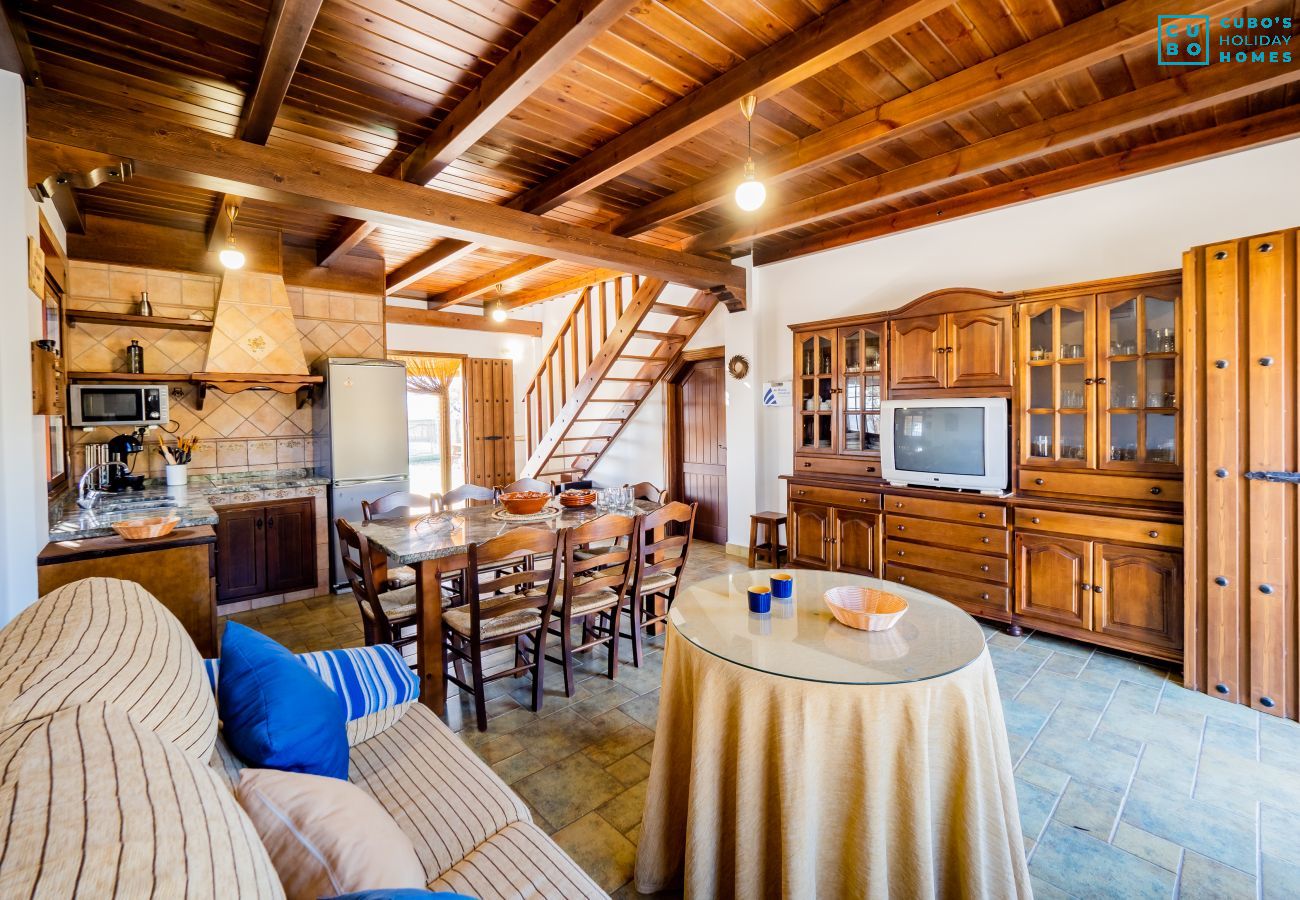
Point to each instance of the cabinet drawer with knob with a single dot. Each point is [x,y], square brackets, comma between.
[834,496]
[1113,487]
[863,467]
[1106,528]
[956,562]
[948,510]
[948,534]
[975,597]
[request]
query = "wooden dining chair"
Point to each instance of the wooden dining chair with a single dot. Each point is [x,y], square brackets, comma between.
[400,500]
[399,576]
[384,614]
[468,494]
[663,545]
[644,490]
[528,484]
[507,604]
[594,588]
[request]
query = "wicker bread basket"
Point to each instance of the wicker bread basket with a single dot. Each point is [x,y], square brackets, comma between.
[866,609]
[143,529]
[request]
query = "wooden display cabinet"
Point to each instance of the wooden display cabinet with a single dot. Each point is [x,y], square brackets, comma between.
[962,350]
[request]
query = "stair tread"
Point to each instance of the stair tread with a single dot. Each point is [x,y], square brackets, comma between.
[571,455]
[615,378]
[671,309]
[627,357]
[607,419]
[659,335]
[588,437]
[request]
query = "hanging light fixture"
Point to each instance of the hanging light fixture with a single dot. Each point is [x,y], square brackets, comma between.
[499,308]
[231,256]
[750,193]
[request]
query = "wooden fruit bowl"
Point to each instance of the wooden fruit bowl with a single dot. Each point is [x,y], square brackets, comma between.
[577,498]
[523,503]
[144,529]
[866,609]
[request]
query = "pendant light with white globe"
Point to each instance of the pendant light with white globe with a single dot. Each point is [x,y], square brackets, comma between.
[750,193]
[231,256]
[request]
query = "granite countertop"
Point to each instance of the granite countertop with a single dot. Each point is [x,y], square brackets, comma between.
[412,539]
[189,503]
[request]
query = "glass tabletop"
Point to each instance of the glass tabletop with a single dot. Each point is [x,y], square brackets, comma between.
[800,638]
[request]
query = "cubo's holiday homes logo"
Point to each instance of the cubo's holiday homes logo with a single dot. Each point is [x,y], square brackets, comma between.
[1184,40]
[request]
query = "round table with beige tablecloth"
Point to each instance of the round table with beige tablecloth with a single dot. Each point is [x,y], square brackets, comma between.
[796,757]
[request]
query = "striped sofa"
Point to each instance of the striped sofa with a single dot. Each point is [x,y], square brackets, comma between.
[115,782]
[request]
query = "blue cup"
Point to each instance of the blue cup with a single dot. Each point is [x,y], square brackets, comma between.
[782,586]
[760,599]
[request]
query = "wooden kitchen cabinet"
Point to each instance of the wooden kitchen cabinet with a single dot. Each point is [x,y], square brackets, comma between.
[827,537]
[809,527]
[953,351]
[1138,594]
[1054,579]
[265,548]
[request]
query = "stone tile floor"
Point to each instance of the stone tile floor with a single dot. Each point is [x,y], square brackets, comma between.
[1129,785]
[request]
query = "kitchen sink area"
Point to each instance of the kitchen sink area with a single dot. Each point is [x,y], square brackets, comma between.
[70,522]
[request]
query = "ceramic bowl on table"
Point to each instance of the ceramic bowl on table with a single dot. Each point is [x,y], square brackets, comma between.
[577,498]
[146,528]
[866,609]
[523,503]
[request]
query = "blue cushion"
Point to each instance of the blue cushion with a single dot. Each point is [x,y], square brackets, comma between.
[275,712]
[367,679]
[401,894]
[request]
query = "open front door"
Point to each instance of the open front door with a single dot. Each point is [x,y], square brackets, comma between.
[489,422]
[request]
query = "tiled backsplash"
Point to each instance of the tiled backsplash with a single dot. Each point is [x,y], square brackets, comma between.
[249,432]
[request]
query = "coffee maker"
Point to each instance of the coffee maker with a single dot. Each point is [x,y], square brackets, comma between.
[123,449]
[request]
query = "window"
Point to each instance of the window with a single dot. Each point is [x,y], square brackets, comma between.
[435,421]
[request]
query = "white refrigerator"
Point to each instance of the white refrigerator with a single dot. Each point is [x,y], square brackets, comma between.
[360,427]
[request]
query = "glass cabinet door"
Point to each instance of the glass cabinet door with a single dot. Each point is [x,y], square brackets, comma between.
[814,392]
[860,388]
[1138,379]
[1057,350]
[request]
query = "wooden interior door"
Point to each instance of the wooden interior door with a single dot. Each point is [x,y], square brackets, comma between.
[698,413]
[1138,594]
[1053,579]
[915,360]
[1241,435]
[978,349]
[489,422]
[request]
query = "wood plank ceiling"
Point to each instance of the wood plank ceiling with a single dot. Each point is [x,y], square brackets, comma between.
[873,115]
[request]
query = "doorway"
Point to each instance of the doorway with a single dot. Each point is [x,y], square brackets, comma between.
[697,439]
[435,395]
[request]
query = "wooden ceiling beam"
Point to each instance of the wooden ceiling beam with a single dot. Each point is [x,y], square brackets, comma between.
[558,36]
[1104,35]
[484,283]
[1101,36]
[443,253]
[307,179]
[288,25]
[572,285]
[846,29]
[16,54]
[1182,94]
[1266,128]
[405,315]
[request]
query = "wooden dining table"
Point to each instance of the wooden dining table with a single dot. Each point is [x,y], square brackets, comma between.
[436,545]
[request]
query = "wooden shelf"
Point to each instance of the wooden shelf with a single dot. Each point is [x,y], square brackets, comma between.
[145,377]
[234,382]
[99,317]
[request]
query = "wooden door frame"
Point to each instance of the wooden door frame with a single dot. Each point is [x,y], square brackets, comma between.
[672,421]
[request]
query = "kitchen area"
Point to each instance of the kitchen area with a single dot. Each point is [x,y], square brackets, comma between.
[213,426]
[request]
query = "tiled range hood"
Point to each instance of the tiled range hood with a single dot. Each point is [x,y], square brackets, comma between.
[254,343]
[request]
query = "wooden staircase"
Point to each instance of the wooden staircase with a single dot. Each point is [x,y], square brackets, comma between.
[617,342]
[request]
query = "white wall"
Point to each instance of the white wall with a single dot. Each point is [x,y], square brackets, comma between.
[521,350]
[24,525]
[1142,224]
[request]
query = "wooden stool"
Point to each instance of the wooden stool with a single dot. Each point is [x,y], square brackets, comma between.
[770,548]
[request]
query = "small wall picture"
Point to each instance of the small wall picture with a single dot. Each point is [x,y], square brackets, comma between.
[776,393]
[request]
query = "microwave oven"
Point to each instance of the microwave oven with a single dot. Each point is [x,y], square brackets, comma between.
[118,404]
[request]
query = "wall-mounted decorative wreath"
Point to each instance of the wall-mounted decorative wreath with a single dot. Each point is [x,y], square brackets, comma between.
[738,366]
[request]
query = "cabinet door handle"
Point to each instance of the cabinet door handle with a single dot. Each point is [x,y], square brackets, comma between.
[1089,381]
[1086,587]
[259,524]
[1096,589]
[270,522]
[1101,380]
[947,349]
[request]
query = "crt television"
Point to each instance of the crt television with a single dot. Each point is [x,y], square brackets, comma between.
[952,443]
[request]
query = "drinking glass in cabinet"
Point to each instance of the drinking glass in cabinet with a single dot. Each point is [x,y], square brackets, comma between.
[1161,383]
[1123,437]
[1123,329]
[1040,436]
[1071,379]
[1124,384]
[1161,437]
[852,362]
[1072,436]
